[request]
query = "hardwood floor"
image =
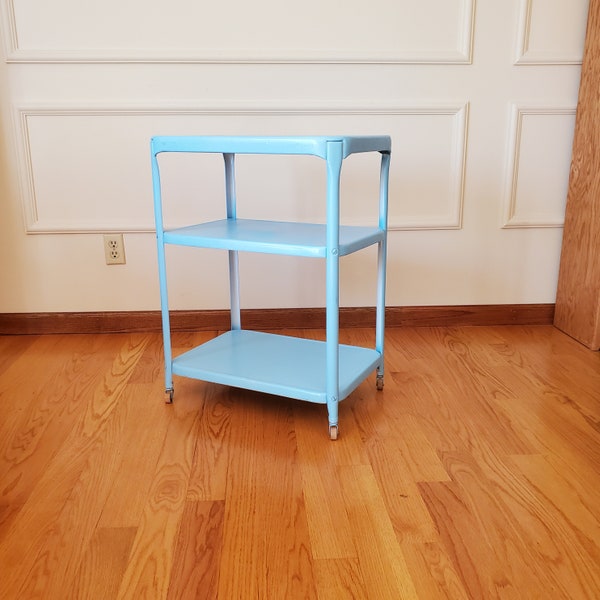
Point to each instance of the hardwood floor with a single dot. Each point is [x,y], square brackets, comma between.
[473,474]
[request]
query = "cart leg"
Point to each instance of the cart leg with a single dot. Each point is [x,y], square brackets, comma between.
[379,380]
[332,283]
[381,264]
[169,395]
[332,413]
[333,432]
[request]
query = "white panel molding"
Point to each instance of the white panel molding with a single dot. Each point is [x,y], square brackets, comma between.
[8,28]
[526,55]
[461,54]
[451,218]
[511,219]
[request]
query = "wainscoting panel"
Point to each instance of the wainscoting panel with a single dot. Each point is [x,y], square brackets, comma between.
[384,31]
[543,37]
[538,166]
[97,178]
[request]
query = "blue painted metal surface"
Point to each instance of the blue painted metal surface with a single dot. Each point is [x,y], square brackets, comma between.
[276,364]
[294,239]
[323,372]
[310,145]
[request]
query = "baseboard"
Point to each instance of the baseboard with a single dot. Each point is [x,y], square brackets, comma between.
[274,319]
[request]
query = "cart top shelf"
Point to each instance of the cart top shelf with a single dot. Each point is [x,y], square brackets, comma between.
[309,145]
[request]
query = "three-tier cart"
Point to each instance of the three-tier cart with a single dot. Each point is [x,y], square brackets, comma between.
[324,372]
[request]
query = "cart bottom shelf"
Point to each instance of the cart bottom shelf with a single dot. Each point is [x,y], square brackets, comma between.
[275,364]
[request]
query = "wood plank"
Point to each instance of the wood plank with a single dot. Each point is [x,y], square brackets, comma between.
[18,387]
[481,535]
[339,578]
[412,444]
[561,510]
[432,571]
[553,426]
[209,474]
[403,502]
[556,367]
[578,292]
[380,556]
[71,490]
[148,428]
[478,383]
[103,564]
[266,546]
[144,429]
[12,347]
[330,532]
[151,559]
[198,552]
[533,515]
[29,444]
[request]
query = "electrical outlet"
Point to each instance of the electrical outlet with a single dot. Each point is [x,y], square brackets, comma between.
[114,250]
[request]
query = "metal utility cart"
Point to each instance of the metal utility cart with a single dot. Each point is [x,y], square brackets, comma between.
[322,372]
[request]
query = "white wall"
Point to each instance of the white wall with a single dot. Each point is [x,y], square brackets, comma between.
[479,97]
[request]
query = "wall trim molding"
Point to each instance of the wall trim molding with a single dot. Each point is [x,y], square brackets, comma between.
[8,25]
[273,319]
[519,112]
[528,56]
[458,111]
[461,54]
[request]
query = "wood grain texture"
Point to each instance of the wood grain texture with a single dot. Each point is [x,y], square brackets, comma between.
[383,564]
[103,564]
[578,293]
[63,506]
[339,578]
[473,474]
[152,556]
[273,318]
[198,551]
[266,546]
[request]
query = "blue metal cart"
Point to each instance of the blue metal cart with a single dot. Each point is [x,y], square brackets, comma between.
[322,372]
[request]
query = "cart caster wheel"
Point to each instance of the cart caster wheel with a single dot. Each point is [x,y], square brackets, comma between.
[169,396]
[333,432]
[379,382]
